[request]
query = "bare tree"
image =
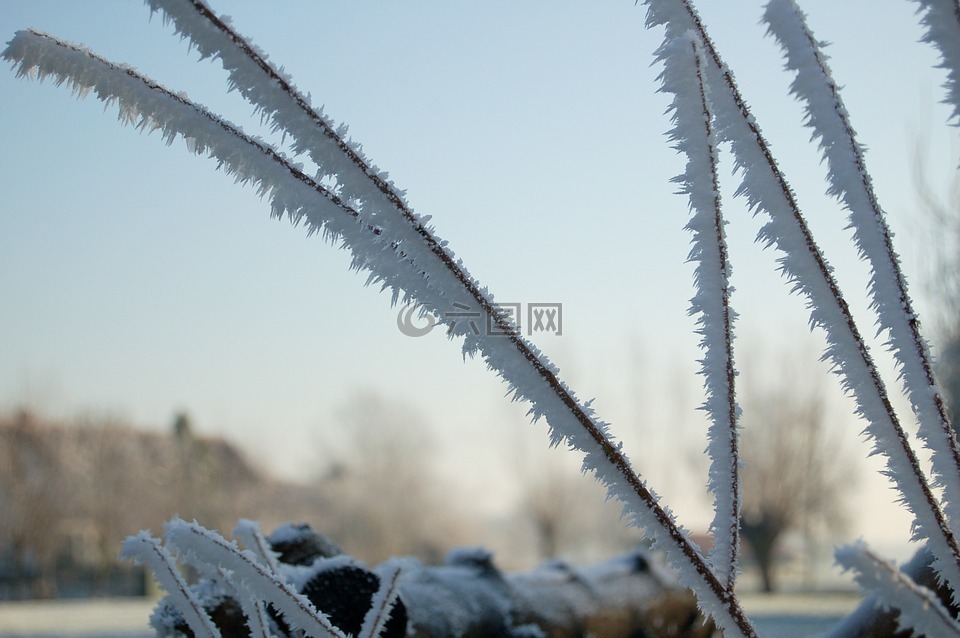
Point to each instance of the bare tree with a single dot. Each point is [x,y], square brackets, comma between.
[794,476]
[33,494]
[381,492]
[550,503]
[70,492]
[117,489]
[564,511]
[942,253]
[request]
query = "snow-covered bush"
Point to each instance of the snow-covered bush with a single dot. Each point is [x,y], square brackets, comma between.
[349,201]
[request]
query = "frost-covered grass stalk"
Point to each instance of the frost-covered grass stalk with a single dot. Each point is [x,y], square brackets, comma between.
[942,21]
[206,550]
[802,262]
[396,248]
[350,201]
[851,184]
[248,532]
[252,577]
[694,136]
[253,606]
[383,601]
[145,549]
[919,608]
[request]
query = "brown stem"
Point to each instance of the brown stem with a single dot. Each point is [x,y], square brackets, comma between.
[504,326]
[731,372]
[824,270]
[904,301]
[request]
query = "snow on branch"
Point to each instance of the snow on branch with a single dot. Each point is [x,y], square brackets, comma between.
[850,182]
[807,270]
[410,260]
[693,135]
[920,609]
[146,550]
[942,21]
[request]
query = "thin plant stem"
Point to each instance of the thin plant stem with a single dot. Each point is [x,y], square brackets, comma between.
[504,327]
[895,310]
[673,539]
[896,437]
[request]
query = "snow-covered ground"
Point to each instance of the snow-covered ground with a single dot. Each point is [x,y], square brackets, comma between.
[796,615]
[109,618]
[784,616]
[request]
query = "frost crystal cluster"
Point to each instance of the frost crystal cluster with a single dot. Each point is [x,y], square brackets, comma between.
[352,202]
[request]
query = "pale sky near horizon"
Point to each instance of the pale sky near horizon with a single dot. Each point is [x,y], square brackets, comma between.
[138,281]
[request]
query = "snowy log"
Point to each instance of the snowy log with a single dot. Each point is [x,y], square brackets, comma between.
[465,596]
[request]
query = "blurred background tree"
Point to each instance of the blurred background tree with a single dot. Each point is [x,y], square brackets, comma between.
[382,493]
[796,477]
[941,210]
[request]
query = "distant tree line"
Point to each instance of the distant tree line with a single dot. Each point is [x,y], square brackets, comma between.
[71,492]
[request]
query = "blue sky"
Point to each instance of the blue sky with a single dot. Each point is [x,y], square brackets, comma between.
[138,281]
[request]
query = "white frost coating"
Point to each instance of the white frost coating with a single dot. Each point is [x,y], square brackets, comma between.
[458,590]
[149,107]
[252,606]
[693,135]
[356,180]
[920,609]
[530,376]
[146,550]
[273,94]
[383,600]
[201,548]
[286,533]
[248,532]
[258,621]
[806,269]
[942,21]
[298,576]
[850,182]
[421,269]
